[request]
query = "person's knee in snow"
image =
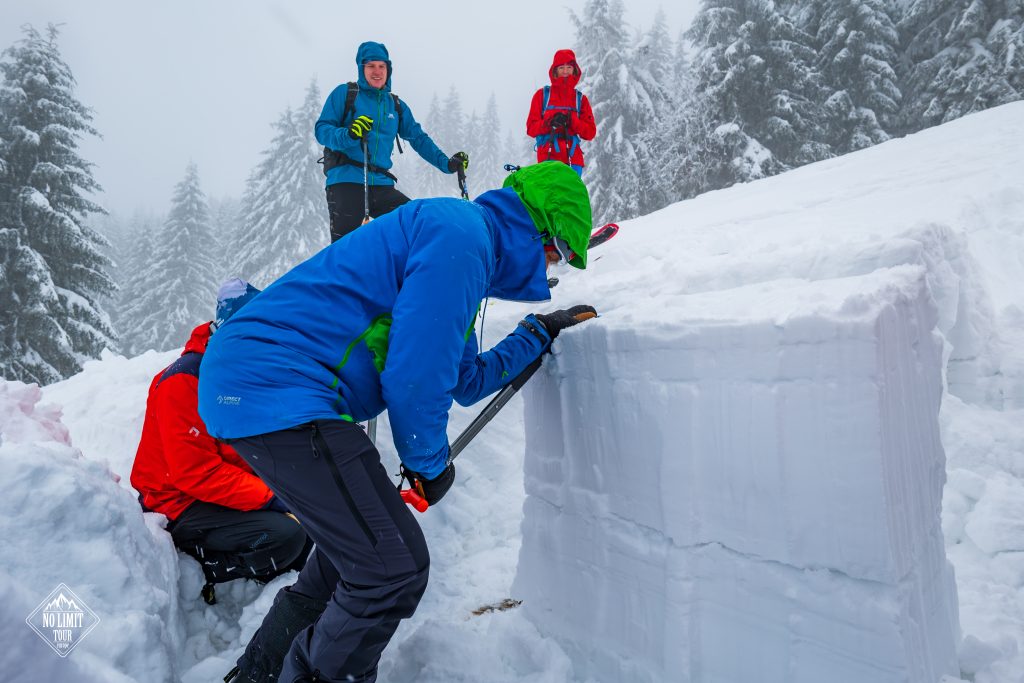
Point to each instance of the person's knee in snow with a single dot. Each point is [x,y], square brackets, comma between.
[219,511]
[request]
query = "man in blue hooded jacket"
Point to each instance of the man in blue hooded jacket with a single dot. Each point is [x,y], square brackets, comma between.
[382,319]
[366,132]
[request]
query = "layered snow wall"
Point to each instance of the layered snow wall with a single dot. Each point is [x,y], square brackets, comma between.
[750,493]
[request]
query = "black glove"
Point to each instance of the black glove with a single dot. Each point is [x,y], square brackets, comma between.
[433,489]
[560,120]
[360,127]
[458,159]
[556,321]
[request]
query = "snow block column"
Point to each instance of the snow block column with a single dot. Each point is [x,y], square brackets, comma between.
[751,492]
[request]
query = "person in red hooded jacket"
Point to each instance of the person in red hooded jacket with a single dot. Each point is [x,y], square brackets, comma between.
[560,115]
[219,512]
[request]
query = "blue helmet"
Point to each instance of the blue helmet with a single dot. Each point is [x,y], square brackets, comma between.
[232,295]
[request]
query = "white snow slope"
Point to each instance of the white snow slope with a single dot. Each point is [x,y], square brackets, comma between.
[735,474]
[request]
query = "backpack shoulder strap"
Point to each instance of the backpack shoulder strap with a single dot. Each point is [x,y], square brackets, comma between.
[350,101]
[398,113]
[579,102]
[398,108]
[547,96]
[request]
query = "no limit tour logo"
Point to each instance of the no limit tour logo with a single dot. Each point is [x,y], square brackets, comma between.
[62,620]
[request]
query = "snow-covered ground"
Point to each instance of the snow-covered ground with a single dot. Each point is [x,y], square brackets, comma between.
[673,515]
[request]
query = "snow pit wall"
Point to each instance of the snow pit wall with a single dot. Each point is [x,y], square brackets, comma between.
[744,500]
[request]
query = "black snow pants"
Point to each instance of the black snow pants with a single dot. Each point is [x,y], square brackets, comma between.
[235,544]
[345,204]
[370,563]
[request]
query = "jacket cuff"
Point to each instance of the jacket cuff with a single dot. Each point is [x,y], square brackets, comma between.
[537,329]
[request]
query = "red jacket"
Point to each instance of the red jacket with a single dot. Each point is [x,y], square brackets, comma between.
[177,462]
[562,93]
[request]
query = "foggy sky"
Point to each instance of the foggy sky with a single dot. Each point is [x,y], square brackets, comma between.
[203,80]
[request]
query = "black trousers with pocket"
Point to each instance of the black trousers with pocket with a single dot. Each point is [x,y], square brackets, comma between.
[345,204]
[370,562]
[235,544]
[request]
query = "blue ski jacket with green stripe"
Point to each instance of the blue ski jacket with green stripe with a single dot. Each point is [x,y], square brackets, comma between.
[379,105]
[382,318]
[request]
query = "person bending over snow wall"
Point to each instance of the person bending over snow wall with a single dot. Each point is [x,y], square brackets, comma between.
[219,512]
[560,115]
[360,122]
[381,319]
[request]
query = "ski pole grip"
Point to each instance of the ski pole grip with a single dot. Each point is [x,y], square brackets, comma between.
[418,502]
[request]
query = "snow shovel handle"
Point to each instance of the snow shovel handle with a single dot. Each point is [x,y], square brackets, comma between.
[418,502]
[414,494]
[502,397]
[462,182]
[366,181]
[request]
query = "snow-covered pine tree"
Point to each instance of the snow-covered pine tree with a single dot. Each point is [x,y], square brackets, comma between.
[602,52]
[682,70]
[429,180]
[516,150]
[408,168]
[29,335]
[488,160]
[115,232]
[54,269]
[653,65]
[754,77]
[960,56]
[225,214]
[450,138]
[283,218]
[628,89]
[136,256]
[182,290]
[858,49]
[681,134]
[470,142]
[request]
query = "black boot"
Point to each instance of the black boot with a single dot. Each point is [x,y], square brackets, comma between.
[264,656]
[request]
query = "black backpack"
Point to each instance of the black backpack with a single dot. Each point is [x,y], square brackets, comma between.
[332,158]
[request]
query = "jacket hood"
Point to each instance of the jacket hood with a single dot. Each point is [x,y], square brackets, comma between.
[565,57]
[558,202]
[519,270]
[197,342]
[372,52]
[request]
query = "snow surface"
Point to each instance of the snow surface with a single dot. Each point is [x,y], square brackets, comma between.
[735,469]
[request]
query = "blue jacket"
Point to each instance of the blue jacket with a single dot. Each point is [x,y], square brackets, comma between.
[332,132]
[382,318]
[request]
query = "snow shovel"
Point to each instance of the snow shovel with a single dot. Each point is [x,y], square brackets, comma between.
[414,496]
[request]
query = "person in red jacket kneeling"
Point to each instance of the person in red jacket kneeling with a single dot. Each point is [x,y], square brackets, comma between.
[560,116]
[219,512]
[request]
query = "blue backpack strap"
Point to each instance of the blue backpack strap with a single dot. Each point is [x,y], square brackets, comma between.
[187,364]
[546,137]
[553,139]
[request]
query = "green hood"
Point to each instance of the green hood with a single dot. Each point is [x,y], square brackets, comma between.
[558,203]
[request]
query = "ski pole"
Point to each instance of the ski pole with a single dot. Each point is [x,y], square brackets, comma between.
[366,184]
[414,495]
[371,426]
[462,182]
